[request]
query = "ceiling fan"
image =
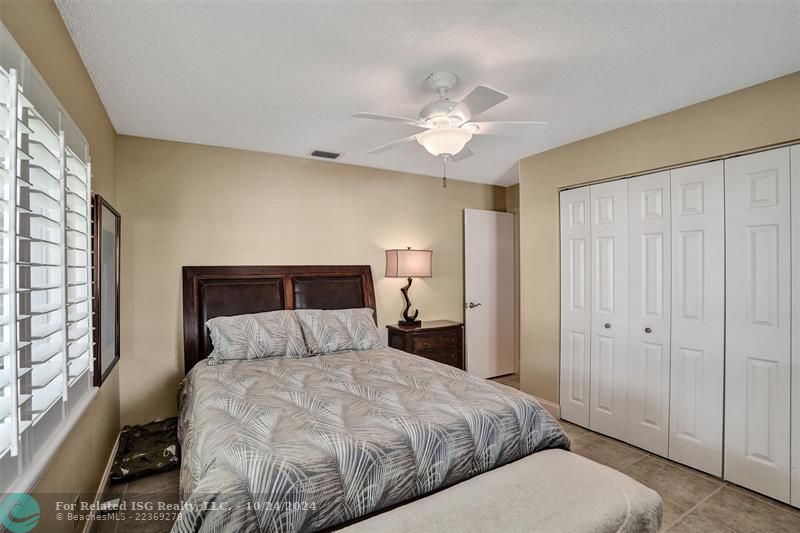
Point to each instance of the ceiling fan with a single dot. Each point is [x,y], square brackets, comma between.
[449,125]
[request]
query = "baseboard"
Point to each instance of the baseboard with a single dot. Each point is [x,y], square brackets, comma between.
[552,408]
[101,489]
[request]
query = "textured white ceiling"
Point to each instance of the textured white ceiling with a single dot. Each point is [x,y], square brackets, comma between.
[284,77]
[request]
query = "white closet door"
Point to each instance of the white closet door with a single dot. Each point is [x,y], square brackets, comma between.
[648,309]
[698,316]
[757,391]
[609,301]
[575,310]
[795,170]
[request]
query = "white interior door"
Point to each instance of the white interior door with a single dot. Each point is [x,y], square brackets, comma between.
[698,316]
[575,308]
[795,179]
[648,311]
[489,292]
[757,369]
[609,301]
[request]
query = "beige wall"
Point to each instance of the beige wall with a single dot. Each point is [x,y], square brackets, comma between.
[187,204]
[512,197]
[762,115]
[39,30]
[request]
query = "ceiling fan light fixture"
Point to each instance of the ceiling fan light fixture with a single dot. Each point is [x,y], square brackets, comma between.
[444,141]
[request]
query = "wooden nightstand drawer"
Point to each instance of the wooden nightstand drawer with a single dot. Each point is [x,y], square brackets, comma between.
[448,358]
[440,341]
[432,341]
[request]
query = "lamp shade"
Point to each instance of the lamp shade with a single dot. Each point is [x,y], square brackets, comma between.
[444,141]
[409,263]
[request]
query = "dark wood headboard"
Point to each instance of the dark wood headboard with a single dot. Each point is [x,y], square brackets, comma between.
[212,291]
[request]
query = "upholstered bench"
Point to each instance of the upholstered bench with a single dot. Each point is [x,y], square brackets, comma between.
[552,490]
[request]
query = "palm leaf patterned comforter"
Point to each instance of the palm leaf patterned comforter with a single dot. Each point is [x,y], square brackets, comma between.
[304,444]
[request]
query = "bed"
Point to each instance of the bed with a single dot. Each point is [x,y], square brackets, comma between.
[356,439]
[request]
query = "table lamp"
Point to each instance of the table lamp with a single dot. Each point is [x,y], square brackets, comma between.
[409,264]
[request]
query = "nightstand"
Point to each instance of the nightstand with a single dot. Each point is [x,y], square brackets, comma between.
[438,340]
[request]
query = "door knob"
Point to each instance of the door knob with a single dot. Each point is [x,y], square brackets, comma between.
[648,330]
[607,325]
[473,305]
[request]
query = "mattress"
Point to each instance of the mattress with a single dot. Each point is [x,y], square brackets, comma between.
[553,491]
[305,444]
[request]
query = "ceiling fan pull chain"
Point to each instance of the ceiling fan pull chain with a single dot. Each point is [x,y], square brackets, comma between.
[444,172]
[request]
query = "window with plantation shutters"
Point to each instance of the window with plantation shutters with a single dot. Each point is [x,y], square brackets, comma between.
[45,308]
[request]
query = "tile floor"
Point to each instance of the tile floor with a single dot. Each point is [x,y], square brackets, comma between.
[693,501]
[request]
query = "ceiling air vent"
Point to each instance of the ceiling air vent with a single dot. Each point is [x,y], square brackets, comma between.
[325,155]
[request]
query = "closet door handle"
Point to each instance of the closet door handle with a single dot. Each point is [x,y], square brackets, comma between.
[648,330]
[607,325]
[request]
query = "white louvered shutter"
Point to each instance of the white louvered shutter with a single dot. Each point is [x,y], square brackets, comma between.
[78,265]
[41,339]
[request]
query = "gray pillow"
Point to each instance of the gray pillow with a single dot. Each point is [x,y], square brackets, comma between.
[256,336]
[338,330]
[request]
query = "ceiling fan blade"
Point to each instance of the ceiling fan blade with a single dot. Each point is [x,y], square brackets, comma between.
[389,118]
[477,101]
[463,154]
[505,128]
[391,145]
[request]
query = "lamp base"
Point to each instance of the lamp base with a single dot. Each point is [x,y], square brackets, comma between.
[409,320]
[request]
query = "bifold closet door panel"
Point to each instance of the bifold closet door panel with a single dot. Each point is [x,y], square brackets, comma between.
[795,478]
[575,305]
[609,303]
[649,294]
[758,329]
[698,316]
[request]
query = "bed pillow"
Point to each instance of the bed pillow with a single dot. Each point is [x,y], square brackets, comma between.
[256,336]
[338,330]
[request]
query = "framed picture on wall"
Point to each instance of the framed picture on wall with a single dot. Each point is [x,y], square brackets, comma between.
[106,225]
